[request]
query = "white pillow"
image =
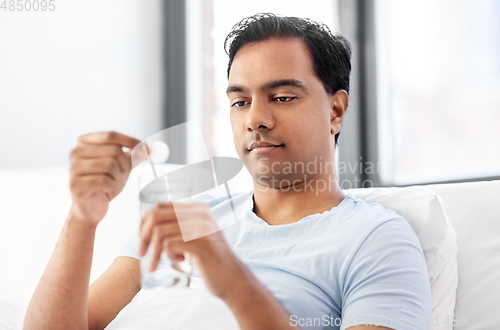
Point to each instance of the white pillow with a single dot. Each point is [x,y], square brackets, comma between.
[424,211]
[474,211]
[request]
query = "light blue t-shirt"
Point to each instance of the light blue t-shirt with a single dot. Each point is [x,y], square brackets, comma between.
[358,263]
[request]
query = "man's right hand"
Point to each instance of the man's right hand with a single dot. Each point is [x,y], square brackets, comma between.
[98,172]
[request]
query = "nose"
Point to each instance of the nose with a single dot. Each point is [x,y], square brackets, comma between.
[259,116]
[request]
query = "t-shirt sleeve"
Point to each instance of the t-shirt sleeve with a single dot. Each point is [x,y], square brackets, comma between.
[131,246]
[387,282]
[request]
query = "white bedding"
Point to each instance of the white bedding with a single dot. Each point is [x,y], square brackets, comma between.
[175,309]
[12,310]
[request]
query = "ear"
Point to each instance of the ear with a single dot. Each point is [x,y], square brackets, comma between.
[338,106]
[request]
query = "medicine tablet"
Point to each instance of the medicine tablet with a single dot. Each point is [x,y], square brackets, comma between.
[159,152]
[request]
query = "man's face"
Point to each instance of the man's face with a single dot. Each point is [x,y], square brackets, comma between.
[276,97]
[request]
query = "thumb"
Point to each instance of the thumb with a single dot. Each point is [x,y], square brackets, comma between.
[138,154]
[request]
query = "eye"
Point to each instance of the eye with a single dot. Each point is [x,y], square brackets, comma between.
[283,99]
[238,104]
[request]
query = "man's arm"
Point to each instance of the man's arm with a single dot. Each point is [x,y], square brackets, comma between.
[112,291]
[63,294]
[60,299]
[99,171]
[254,306]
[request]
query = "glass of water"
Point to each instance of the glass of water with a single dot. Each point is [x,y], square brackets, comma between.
[170,188]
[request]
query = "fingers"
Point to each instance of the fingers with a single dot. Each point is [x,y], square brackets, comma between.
[166,231]
[167,245]
[109,138]
[155,257]
[158,221]
[93,151]
[108,166]
[98,172]
[101,154]
[162,224]
[86,185]
[102,144]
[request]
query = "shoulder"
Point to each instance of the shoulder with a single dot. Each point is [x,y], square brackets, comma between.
[378,231]
[372,210]
[370,227]
[364,217]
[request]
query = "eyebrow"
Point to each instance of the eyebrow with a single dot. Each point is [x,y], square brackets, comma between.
[268,86]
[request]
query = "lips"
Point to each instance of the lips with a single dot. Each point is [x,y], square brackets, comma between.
[260,146]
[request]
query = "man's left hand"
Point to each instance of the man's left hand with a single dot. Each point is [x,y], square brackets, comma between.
[200,237]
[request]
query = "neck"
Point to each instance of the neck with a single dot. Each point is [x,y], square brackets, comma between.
[310,194]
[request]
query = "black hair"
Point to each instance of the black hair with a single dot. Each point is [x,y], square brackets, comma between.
[331,53]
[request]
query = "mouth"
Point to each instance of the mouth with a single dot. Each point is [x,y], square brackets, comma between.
[262,147]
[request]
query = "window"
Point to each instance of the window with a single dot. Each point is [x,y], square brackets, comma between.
[438,90]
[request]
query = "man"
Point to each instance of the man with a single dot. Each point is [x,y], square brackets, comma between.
[302,253]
